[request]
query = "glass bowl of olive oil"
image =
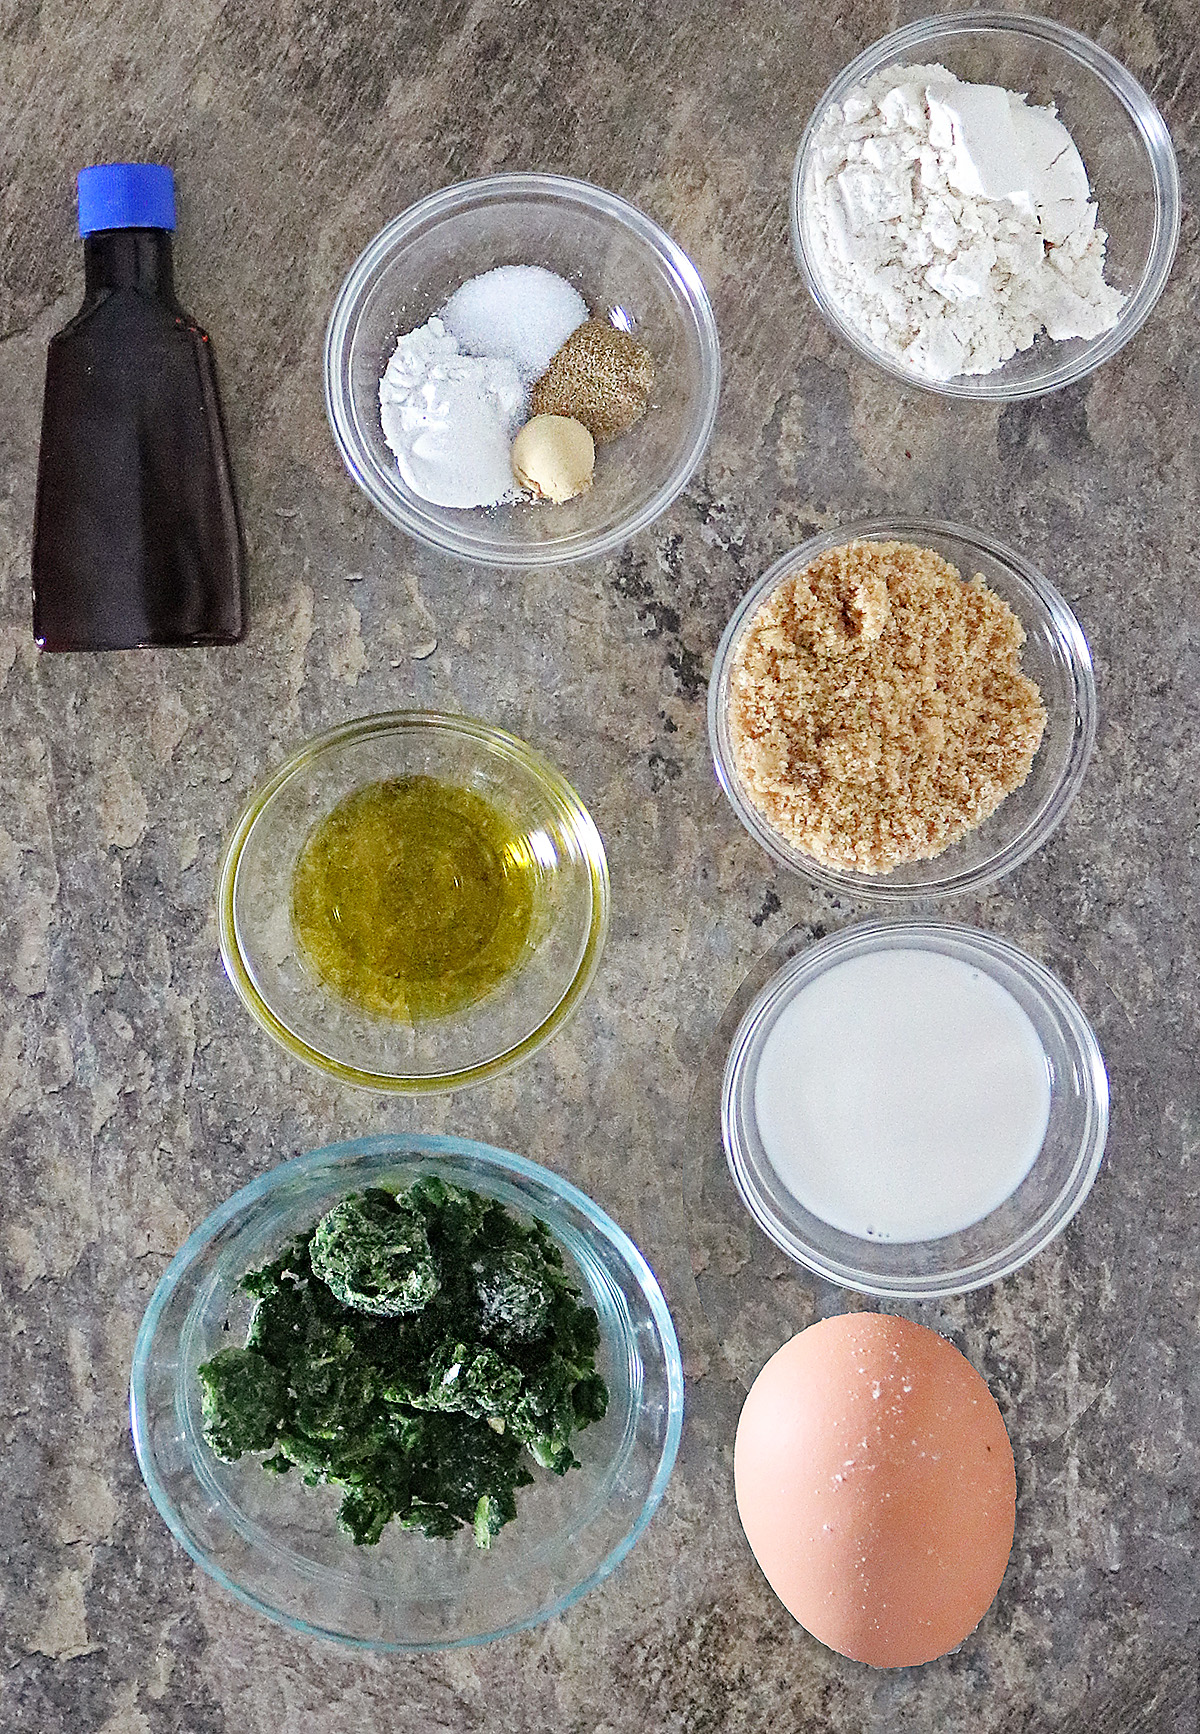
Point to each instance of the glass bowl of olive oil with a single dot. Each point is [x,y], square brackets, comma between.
[413,902]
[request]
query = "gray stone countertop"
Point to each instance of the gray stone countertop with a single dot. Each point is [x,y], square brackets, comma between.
[135,1093]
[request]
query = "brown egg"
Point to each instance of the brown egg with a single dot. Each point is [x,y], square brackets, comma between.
[876,1486]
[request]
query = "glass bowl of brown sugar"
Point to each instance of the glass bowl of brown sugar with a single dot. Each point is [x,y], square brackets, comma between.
[884,782]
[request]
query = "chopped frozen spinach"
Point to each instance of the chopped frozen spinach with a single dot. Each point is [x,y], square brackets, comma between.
[415,1351]
[373,1253]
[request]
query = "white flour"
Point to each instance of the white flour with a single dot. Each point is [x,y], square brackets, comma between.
[951,222]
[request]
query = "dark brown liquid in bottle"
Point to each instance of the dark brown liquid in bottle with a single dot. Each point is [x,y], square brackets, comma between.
[137,539]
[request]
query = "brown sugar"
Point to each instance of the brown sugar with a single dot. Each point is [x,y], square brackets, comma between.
[601,377]
[877,707]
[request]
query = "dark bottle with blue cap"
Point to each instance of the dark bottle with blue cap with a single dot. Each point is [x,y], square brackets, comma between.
[137,539]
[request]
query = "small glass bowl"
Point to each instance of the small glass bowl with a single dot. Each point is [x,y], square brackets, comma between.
[567,931]
[1044,1202]
[1055,657]
[1125,146]
[618,259]
[274,1543]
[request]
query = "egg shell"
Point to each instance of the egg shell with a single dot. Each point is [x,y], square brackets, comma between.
[876,1486]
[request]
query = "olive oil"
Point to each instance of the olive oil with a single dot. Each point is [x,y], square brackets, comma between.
[412,899]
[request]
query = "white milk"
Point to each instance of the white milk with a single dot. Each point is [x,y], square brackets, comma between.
[902,1095]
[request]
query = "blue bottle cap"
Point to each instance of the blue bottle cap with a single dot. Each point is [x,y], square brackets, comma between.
[126,196]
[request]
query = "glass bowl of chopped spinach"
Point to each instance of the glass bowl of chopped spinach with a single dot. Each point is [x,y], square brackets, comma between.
[407,1392]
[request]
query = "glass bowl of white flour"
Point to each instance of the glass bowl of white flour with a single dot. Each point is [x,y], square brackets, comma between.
[629,273]
[986,205]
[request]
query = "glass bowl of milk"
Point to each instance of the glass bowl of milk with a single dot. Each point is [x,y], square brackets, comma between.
[1124,152]
[914,1109]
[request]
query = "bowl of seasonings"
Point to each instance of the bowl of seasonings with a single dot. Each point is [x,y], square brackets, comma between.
[522,370]
[407,1392]
[413,902]
[902,709]
[986,205]
[914,1108]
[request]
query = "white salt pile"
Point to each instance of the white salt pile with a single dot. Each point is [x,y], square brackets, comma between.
[517,313]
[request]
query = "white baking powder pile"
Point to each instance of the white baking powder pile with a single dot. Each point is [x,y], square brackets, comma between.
[450,419]
[456,390]
[952,223]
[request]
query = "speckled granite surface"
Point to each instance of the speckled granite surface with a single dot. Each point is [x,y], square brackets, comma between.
[134,1092]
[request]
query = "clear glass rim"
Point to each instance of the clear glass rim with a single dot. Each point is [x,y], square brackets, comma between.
[577,819]
[1164,172]
[885,933]
[398,1144]
[876,887]
[473,545]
